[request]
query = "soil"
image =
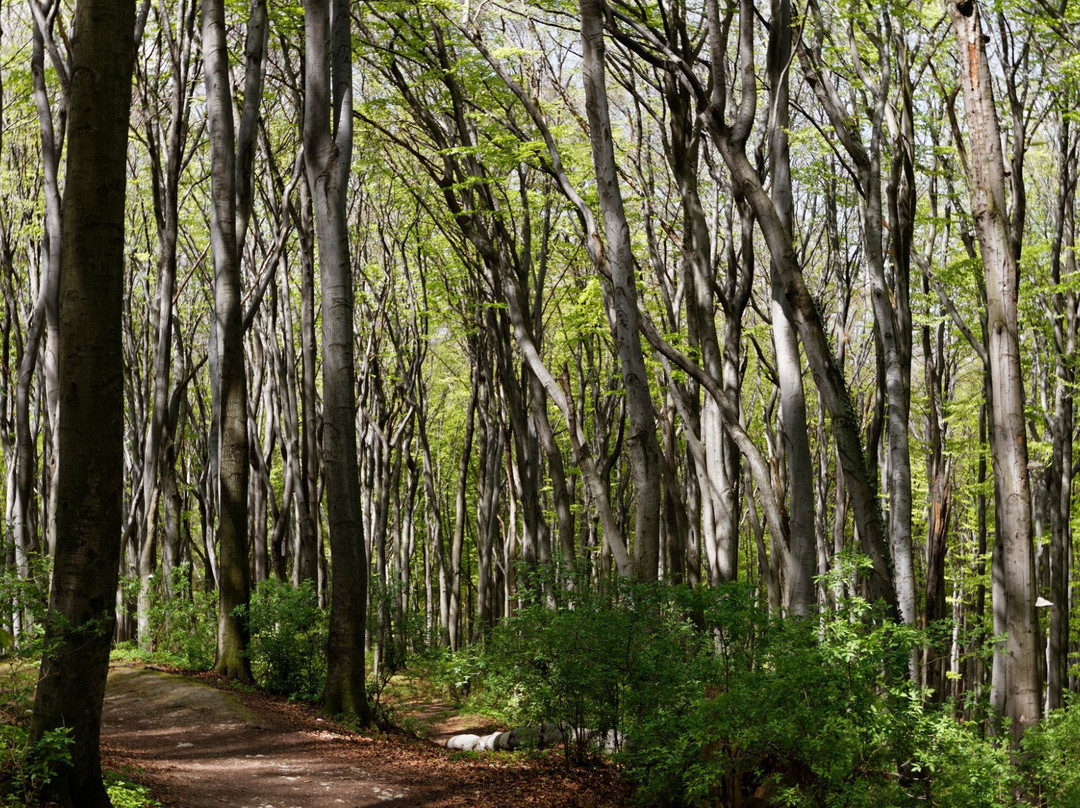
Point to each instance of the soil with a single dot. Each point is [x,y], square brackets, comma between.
[195,743]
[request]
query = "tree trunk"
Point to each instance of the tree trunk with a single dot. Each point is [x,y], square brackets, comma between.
[986,182]
[832,386]
[228,377]
[1065,325]
[642,446]
[327,154]
[795,430]
[71,684]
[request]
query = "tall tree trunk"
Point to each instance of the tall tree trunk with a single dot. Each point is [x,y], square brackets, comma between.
[457,541]
[801,556]
[228,376]
[307,548]
[642,445]
[166,164]
[1066,313]
[71,683]
[731,139]
[327,155]
[43,319]
[986,182]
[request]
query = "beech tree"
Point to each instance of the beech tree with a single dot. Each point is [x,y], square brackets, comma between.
[986,185]
[328,133]
[79,629]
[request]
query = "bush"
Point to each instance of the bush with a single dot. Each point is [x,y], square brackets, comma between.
[964,769]
[1052,759]
[29,597]
[183,628]
[26,768]
[609,662]
[715,701]
[288,639]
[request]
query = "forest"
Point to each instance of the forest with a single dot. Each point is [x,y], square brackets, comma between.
[698,373]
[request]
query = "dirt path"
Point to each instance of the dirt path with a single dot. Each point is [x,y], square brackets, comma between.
[196,746]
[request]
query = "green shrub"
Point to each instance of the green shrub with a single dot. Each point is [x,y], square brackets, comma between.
[612,661]
[26,768]
[715,700]
[29,596]
[125,794]
[183,628]
[1052,758]
[963,768]
[288,639]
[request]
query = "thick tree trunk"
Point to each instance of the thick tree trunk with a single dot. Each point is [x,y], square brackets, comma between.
[71,685]
[327,154]
[228,377]
[986,183]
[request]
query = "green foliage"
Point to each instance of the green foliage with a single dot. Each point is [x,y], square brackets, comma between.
[27,595]
[125,794]
[26,768]
[182,628]
[617,661]
[1052,765]
[963,768]
[288,639]
[452,673]
[714,700]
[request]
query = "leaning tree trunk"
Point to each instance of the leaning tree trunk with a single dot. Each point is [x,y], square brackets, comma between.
[71,684]
[801,557]
[642,445]
[731,139]
[986,181]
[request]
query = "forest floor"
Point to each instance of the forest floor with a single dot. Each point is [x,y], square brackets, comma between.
[197,744]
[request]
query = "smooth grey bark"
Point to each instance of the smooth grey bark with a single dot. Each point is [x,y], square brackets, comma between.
[53,133]
[229,379]
[938,381]
[71,682]
[457,540]
[328,136]
[167,160]
[795,431]
[43,322]
[730,139]
[307,539]
[986,185]
[616,257]
[889,301]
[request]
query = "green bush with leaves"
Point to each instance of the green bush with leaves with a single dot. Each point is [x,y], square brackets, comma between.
[962,767]
[28,596]
[610,661]
[26,768]
[715,700]
[125,794]
[182,628]
[1052,758]
[288,639]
